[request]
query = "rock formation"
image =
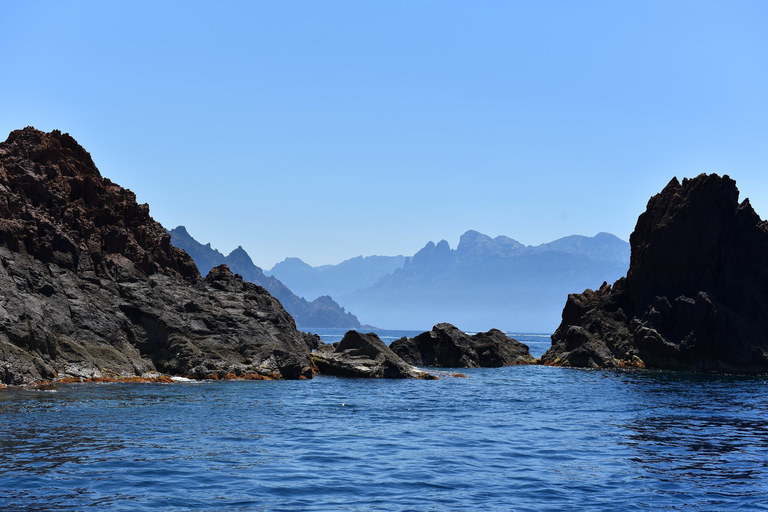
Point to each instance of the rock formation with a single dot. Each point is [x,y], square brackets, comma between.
[321,312]
[695,296]
[448,347]
[90,285]
[363,356]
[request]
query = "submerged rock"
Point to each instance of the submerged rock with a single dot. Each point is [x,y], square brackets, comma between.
[446,346]
[695,296]
[91,287]
[363,355]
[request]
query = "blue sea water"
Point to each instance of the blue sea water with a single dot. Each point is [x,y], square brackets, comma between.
[515,438]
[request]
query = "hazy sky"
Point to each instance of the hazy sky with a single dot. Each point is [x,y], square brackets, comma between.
[329,129]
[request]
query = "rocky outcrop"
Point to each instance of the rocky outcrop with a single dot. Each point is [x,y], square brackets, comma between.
[361,355]
[448,347]
[695,296]
[91,287]
[321,312]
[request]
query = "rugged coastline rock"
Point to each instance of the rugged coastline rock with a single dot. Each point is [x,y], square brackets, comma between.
[91,287]
[448,347]
[695,296]
[361,355]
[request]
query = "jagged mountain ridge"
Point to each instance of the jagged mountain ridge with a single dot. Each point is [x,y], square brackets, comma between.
[489,282]
[321,312]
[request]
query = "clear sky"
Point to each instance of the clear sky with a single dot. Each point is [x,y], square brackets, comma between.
[330,129]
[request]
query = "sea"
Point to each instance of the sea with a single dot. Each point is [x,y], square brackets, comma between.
[514,438]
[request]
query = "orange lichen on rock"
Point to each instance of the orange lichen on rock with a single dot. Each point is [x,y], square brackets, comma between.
[256,376]
[460,375]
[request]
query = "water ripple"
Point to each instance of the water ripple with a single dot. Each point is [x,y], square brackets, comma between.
[517,438]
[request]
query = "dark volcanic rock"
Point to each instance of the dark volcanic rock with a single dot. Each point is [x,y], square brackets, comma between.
[90,285]
[363,355]
[695,296]
[448,347]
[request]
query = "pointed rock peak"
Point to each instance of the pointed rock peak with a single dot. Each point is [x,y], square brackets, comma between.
[180,231]
[239,253]
[443,246]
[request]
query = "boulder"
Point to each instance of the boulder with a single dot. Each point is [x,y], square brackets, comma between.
[695,296]
[448,347]
[363,356]
[91,287]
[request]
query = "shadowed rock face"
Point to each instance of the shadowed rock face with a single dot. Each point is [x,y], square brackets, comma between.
[90,285]
[365,356]
[448,347]
[695,296]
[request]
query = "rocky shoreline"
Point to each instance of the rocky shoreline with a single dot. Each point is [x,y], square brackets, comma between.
[92,287]
[92,290]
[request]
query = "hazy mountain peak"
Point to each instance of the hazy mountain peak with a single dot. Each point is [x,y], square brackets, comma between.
[603,246]
[473,245]
[293,262]
[241,258]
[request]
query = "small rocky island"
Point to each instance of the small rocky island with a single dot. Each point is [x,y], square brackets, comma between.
[695,296]
[445,346]
[91,287]
[360,355]
[448,347]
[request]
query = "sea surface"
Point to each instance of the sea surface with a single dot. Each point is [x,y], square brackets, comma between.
[515,438]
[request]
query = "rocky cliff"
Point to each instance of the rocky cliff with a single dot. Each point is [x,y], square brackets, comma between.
[91,287]
[321,312]
[695,295]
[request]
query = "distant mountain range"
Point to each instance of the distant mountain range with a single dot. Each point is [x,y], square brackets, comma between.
[335,280]
[485,282]
[321,312]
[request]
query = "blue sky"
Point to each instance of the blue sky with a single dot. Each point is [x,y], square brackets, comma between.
[325,130]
